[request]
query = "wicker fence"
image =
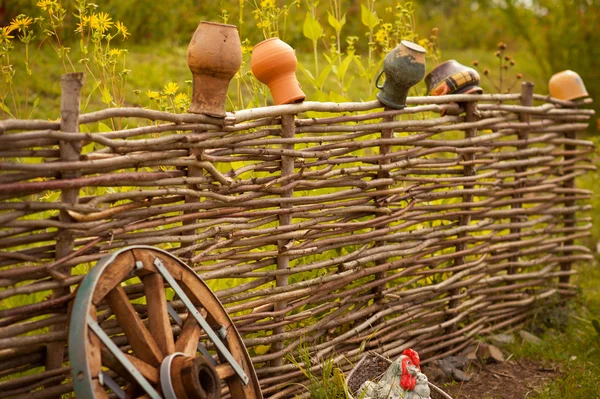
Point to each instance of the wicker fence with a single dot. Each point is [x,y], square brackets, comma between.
[343,226]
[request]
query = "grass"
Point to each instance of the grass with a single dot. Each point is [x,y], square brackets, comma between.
[327,383]
[571,341]
[153,66]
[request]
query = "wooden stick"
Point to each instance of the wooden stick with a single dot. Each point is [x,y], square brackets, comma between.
[384,149]
[71,85]
[465,220]
[523,136]
[285,219]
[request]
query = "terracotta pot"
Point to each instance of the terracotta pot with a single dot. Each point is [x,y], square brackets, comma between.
[214,56]
[567,85]
[404,67]
[451,77]
[274,63]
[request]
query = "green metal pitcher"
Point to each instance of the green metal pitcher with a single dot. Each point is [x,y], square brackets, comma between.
[404,67]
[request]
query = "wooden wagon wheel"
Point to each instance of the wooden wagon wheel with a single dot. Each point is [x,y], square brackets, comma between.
[160,348]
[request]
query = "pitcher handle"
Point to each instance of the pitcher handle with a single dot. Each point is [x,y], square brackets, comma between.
[377,81]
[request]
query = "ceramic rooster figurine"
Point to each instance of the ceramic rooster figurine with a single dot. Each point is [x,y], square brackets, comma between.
[402,380]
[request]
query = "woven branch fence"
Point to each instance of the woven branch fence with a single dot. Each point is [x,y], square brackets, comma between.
[345,227]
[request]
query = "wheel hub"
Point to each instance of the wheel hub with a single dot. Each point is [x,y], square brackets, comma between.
[184,377]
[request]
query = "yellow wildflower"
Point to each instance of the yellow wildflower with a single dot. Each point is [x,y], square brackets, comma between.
[115,52]
[182,101]
[171,88]
[46,4]
[5,34]
[86,21]
[101,21]
[122,29]
[153,95]
[267,3]
[181,97]
[381,36]
[21,22]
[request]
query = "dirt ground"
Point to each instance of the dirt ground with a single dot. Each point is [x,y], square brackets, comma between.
[508,380]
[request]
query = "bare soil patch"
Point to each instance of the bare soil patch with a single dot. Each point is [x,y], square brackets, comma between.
[514,379]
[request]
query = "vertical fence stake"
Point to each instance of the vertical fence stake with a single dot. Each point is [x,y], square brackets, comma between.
[464,220]
[523,135]
[70,151]
[288,131]
[192,171]
[570,217]
[384,149]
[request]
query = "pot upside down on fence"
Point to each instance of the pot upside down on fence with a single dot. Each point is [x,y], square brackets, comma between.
[341,226]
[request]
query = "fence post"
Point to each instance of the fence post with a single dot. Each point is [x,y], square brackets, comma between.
[569,217]
[192,171]
[288,131]
[523,135]
[71,85]
[384,149]
[464,220]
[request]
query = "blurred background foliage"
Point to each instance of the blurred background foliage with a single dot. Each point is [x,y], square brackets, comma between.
[558,34]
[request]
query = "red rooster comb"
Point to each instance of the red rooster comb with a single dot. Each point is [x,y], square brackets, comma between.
[414,356]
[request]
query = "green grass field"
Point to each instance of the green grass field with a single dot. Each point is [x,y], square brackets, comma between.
[154,66]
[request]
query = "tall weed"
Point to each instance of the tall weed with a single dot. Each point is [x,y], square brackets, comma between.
[325,380]
[86,37]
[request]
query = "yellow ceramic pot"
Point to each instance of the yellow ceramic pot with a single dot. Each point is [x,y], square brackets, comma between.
[567,85]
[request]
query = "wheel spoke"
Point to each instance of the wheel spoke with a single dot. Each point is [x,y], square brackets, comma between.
[140,339]
[159,323]
[225,370]
[188,338]
[134,391]
[99,391]
[149,372]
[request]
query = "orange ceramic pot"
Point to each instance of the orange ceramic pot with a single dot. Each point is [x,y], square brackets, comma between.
[274,63]
[567,85]
[214,56]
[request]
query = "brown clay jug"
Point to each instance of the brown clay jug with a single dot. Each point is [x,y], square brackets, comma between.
[274,63]
[214,56]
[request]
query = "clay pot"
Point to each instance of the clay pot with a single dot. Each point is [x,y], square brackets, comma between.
[214,56]
[274,63]
[404,67]
[452,77]
[567,85]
